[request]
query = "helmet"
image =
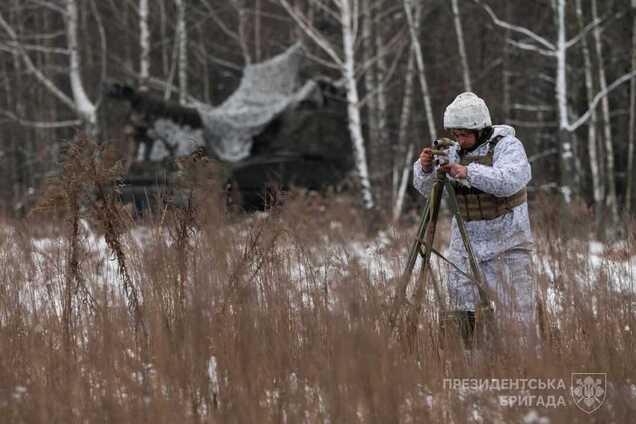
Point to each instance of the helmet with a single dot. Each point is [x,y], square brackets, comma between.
[467,111]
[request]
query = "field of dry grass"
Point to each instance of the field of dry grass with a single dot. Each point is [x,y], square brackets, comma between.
[199,315]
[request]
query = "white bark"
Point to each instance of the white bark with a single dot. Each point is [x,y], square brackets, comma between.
[41,77]
[305,25]
[370,78]
[165,49]
[599,96]
[381,92]
[144,44]
[183,51]
[559,52]
[40,124]
[84,107]
[561,81]
[597,186]
[610,199]
[402,173]
[460,45]
[347,15]
[80,104]
[421,71]
[565,142]
[353,107]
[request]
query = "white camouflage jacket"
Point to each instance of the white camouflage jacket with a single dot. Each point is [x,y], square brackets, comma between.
[510,173]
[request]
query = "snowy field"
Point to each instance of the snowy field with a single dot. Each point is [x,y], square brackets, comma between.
[226,292]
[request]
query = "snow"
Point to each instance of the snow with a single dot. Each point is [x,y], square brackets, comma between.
[533,417]
[379,259]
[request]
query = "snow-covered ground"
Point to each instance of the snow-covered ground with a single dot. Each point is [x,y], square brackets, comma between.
[379,259]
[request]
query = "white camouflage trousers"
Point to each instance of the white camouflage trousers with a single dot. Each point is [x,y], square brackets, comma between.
[509,276]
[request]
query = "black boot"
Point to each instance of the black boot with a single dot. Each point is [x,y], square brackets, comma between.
[461,323]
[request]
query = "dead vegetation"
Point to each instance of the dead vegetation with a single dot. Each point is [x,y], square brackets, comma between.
[193,314]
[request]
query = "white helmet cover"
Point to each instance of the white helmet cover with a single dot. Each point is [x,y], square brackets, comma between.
[467,111]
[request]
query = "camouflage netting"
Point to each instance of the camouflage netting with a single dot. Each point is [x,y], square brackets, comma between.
[266,90]
[171,140]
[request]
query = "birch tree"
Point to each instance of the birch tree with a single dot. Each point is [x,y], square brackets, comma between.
[610,199]
[557,50]
[79,102]
[144,44]
[402,170]
[182,37]
[370,76]
[346,14]
[421,69]
[375,98]
[413,23]
[597,184]
[460,45]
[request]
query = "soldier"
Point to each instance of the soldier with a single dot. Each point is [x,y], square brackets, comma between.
[490,182]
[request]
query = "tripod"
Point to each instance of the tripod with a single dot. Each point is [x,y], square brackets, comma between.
[423,245]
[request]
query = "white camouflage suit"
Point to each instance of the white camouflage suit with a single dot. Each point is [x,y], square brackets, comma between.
[503,246]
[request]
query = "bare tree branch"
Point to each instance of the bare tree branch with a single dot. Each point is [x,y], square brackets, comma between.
[516,28]
[40,124]
[33,69]
[12,46]
[312,33]
[398,42]
[592,25]
[598,98]
[224,28]
[530,47]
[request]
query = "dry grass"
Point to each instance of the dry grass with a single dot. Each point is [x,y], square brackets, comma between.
[197,315]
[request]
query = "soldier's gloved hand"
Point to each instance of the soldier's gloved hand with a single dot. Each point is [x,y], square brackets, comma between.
[455,170]
[426,159]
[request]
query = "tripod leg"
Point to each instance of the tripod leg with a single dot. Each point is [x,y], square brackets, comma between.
[484,312]
[474,265]
[432,206]
[403,282]
[429,236]
[415,247]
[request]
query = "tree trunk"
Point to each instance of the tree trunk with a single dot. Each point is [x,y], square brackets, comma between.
[597,183]
[421,71]
[370,83]
[402,170]
[353,105]
[566,156]
[610,198]
[207,86]
[84,107]
[382,111]
[183,51]
[144,44]
[165,49]
[460,45]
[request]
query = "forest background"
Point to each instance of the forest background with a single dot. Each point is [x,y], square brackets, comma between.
[561,72]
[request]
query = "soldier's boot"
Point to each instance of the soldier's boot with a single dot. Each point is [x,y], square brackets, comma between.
[459,323]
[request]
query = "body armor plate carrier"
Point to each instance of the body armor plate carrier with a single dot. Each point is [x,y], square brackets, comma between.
[474,204]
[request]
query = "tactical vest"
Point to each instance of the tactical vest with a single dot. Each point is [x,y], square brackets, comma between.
[474,204]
